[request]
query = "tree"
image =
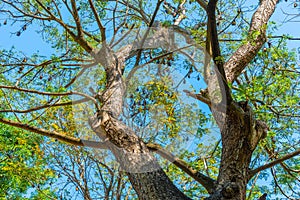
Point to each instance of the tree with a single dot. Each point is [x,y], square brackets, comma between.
[106,48]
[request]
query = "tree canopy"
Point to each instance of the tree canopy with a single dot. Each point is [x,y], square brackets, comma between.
[148,100]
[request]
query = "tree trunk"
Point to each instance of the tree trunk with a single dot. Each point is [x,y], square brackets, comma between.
[145,174]
[240,136]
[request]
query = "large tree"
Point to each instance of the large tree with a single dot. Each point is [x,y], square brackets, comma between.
[114,75]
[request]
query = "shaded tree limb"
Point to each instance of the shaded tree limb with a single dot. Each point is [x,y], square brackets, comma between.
[198,97]
[77,19]
[55,135]
[275,162]
[205,181]
[270,37]
[47,105]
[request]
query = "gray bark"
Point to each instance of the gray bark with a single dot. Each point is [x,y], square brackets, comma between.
[146,176]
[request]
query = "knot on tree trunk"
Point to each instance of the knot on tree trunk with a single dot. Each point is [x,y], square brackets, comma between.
[95,123]
[257,129]
[259,132]
[262,127]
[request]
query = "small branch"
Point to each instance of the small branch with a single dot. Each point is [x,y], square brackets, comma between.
[275,162]
[132,72]
[80,40]
[270,37]
[55,135]
[181,11]
[45,93]
[198,97]
[100,25]
[252,186]
[10,105]
[207,182]
[282,164]
[52,93]
[284,37]
[47,106]
[229,24]
[138,57]
[77,19]
[12,4]
[75,77]
[273,172]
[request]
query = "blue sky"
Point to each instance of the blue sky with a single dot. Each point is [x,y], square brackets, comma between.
[30,42]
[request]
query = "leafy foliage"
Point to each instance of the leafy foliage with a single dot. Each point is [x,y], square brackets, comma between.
[23,165]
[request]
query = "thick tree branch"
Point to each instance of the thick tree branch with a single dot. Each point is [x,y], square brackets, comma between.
[275,162]
[256,38]
[55,135]
[207,182]
[203,4]
[198,97]
[213,49]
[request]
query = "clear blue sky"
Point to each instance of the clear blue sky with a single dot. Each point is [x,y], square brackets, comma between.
[30,41]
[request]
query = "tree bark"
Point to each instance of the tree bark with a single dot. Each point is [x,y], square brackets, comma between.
[146,176]
[240,135]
